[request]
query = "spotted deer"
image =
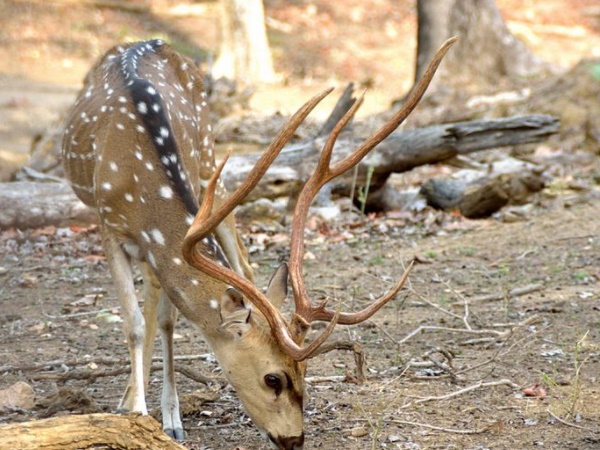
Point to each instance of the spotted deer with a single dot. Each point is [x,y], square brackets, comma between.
[138,147]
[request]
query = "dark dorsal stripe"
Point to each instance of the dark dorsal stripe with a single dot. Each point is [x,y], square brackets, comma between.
[151,109]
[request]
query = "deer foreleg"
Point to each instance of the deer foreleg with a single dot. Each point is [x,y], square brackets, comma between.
[133,326]
[234,248]
[167,317]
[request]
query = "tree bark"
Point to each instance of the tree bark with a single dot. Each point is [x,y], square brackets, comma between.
[432,31]
[244,55]
[90,431]
[487,51]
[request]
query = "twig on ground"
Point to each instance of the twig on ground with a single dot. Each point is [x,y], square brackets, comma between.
[517,292]
[497,355]
[438,328]
[434,427]
[445,367]
[93,375]
[465,304]
[496,335]
[80,314]
[473,387]
[564,422]
[355,348]
[325,379]
[438,307]
[503,335]
[99,361]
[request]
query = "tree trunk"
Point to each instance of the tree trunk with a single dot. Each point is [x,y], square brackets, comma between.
[432,31]
[244,55]
[487,51]
[91,431]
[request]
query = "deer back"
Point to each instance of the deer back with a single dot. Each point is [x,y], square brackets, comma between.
[138,146]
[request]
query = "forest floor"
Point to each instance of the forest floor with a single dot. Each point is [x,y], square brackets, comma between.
[448,363]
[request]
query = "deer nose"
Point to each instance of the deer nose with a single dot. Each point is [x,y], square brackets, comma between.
[290,443]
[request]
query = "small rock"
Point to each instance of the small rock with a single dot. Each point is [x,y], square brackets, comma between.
[19,395]
[309,256]
[359,432]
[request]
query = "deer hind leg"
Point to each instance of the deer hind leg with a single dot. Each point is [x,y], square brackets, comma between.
[167,318]
[151,294]
[133,326]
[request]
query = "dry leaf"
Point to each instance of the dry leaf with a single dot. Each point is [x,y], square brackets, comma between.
[536,391]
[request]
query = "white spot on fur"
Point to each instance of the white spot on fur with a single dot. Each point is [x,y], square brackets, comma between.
[129,197]
[157,236]
[151,260]
[142,107]
[166,192]
[177,261]
[214,304]
[113,166]
[106,186]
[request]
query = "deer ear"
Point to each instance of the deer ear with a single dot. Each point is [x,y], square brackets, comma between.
[235,317]
[278,286]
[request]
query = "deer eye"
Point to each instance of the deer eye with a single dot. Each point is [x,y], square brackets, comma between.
[274,382]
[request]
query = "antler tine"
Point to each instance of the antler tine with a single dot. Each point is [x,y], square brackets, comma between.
[325,173]
[354,318]
[385,130]
[211,221]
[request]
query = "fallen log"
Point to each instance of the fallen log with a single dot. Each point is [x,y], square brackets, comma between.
[25,204]
[89,431]
[29,205]
[400,152]
[476,195]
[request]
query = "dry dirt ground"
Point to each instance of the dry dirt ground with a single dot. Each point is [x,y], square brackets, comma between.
[447,362]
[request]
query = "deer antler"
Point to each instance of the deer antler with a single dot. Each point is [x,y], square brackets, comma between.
[290,336]
[205,222]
